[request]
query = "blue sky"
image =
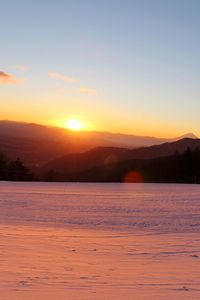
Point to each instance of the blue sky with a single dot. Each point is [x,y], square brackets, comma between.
[135,64]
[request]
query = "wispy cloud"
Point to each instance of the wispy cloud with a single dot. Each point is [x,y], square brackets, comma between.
[61,77]
[89,91]
[6,78]
[21,68]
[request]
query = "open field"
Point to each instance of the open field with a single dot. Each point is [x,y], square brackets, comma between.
[96,241]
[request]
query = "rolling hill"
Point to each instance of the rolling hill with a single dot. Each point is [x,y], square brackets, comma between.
[37,144]
[106,156]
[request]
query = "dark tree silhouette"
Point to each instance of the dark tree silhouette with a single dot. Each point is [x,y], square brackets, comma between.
[3,166]
[16,171]
[50,176]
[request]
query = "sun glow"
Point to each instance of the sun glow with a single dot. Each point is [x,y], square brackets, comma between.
[75,125]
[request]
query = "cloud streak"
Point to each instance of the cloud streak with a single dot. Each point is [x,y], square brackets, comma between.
[89,91]
[20,68]
[62,77]
[9,79]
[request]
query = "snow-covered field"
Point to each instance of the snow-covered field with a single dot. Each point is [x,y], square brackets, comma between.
[99,241]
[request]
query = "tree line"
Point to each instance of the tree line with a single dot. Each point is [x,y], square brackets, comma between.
[14,170]
[177,168]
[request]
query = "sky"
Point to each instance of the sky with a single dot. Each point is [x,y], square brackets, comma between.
[127,66]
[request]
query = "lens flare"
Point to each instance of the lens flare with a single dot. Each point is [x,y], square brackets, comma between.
[133,176]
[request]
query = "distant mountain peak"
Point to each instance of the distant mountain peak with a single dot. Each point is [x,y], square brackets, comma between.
[189,135]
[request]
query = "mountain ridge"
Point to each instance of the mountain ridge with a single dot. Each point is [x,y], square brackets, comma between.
[38,144]
[78,162]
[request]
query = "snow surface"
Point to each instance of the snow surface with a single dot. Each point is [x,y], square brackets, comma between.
[99,241]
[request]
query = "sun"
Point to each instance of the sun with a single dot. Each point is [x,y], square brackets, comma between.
[75,125]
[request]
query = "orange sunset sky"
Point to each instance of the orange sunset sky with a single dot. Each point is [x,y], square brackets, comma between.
[130,68]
